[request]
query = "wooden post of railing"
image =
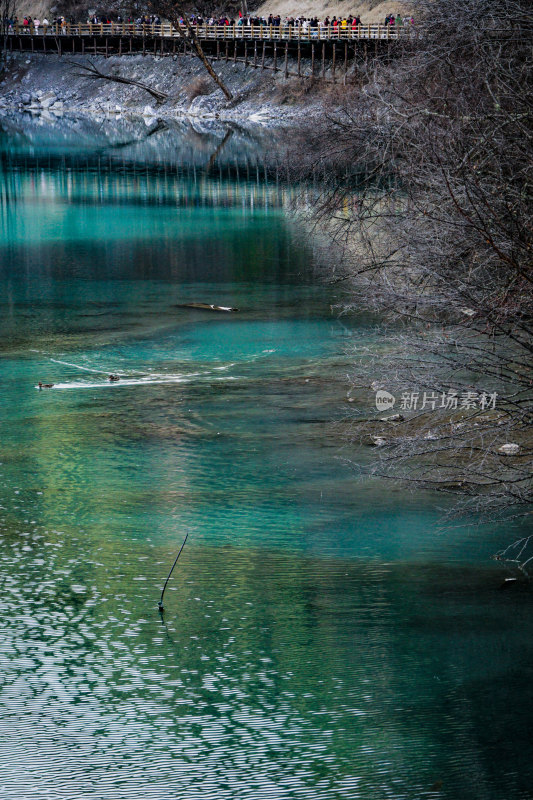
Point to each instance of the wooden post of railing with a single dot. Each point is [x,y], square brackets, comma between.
[345,61]
[245,53]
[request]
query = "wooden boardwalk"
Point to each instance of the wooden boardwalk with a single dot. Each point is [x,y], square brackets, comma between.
[329,50]
[291,33]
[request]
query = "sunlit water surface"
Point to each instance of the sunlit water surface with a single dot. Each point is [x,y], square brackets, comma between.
[324,636]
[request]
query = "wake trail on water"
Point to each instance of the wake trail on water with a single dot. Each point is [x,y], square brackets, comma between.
[150,379]
[77,366]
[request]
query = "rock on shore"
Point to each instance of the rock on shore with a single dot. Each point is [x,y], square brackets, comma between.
[49,83]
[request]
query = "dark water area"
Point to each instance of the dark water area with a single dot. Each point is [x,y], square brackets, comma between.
[325,635]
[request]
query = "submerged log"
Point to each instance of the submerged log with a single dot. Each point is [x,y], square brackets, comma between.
[207,307]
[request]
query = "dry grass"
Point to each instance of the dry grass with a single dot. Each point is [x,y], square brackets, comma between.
[371,11]
[202,85]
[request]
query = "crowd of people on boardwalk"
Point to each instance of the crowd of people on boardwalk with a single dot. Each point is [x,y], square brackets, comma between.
[336,24]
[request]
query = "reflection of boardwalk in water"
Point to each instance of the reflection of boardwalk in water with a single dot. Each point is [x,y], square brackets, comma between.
[111,181]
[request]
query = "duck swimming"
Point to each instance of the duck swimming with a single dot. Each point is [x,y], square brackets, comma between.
[45,385]
[113,378]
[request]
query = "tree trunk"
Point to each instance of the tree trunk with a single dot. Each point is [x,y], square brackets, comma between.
[197,47]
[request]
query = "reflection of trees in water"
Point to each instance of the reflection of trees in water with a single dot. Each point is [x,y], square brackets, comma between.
[182,141]
[9,194]
[110,178]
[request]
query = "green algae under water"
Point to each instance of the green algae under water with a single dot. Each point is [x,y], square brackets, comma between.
[324,636]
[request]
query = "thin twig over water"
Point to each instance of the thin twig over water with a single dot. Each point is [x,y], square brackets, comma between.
[160,603]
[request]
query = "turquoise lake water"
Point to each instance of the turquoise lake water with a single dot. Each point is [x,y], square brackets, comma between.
[325,636]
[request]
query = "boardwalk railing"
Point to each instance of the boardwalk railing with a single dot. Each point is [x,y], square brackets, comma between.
[299,33]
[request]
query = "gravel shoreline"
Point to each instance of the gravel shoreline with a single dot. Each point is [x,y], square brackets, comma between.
[52,85]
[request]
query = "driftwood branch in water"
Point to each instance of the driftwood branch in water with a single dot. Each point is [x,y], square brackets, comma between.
[160,603]
[94,73]
[207,307]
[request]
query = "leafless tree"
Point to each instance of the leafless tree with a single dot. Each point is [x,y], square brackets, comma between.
[428,188]
[178,15]
[7,14]
[171,12]
[91,72]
